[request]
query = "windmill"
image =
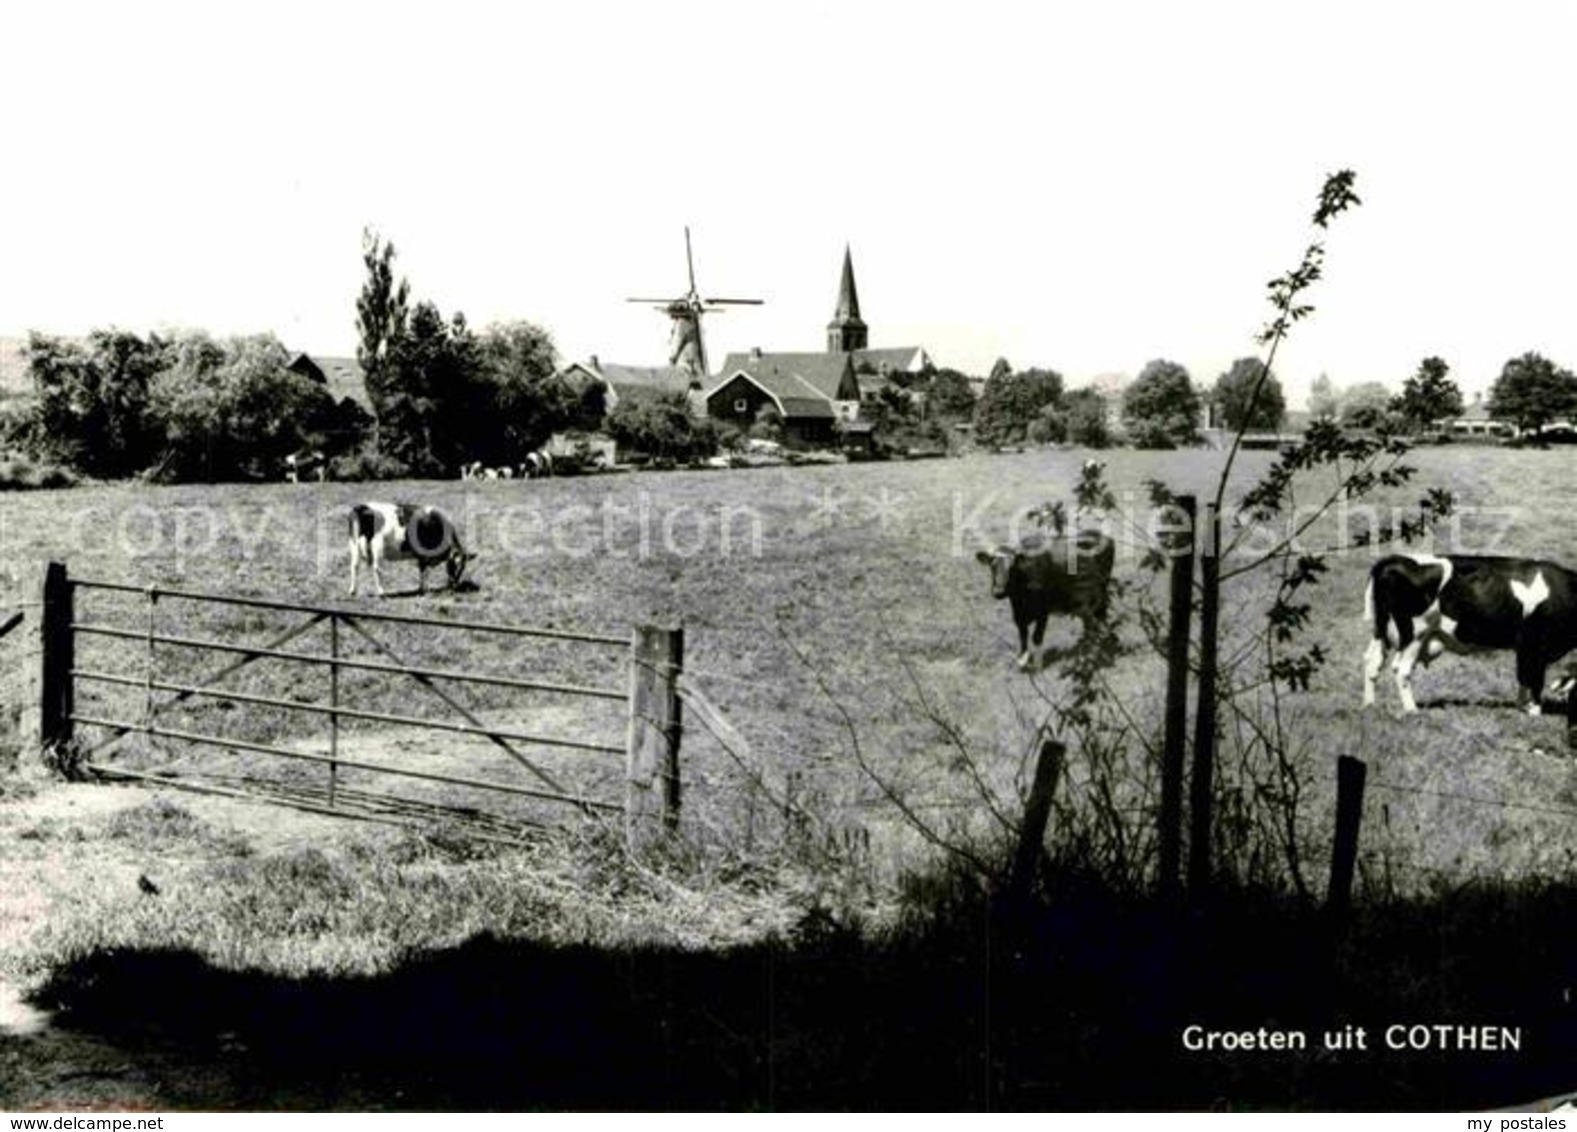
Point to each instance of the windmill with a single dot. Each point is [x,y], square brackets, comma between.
[686,348]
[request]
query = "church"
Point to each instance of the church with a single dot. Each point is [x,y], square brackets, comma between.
[815,394]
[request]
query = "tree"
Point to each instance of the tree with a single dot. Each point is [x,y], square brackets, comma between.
[1324,402]
[1161,407]
[1365,405]
[92,411]
[380,314]
[1428,396]
[1084,416]
[234,411]
[438,405]
[1532,391]
[1235,389]
[951,394]
[662,426]
[1011,402]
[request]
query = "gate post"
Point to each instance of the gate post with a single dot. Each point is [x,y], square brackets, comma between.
[652,753]
[56,658]
[1174,748]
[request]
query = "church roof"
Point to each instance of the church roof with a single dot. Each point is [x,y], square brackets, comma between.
[848,309]
[891,359]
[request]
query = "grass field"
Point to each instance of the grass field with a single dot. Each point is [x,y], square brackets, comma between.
[829,607]
[844,621]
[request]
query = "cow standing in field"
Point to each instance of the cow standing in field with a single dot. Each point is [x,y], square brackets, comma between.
[1043,576]
[399,532]
[538,465]
[1422,605]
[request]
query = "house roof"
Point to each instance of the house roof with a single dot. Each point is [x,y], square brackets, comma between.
[1109,384]
[822,372]
[1477,411]
[898,359]
[625,379]
[343,376]
[794,395]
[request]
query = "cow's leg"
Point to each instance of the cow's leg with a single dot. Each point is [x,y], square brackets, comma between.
[1530,681]
[1040,638]
[374,562]
[421,577]
[1373,661]
[355,560]
[1406,658]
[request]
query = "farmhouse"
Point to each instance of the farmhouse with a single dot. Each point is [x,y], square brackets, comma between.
[626,382]
[809,409]
[343,376]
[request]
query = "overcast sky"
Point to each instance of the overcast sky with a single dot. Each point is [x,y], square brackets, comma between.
[1078,186]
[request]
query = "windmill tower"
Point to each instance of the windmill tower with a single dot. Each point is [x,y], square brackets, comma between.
[686,346]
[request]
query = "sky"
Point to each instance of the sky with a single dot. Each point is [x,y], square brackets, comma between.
[1083,187]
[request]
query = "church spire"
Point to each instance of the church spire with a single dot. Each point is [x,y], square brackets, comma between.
[846,331]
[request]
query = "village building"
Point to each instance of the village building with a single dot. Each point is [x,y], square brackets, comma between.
[342,376]
[627,383]
[1475,422]
[817,394]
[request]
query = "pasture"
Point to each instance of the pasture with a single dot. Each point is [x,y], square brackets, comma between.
[833,608]
[837,618]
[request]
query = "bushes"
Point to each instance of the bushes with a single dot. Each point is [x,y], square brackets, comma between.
[184,408]
[19,473]
[367,464]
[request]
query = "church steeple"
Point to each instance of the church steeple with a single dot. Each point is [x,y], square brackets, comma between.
[846,331]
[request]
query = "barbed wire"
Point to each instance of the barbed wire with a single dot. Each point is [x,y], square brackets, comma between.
[1471,799]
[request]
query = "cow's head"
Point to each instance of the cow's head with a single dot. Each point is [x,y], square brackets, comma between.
[456,564]
[1000,560]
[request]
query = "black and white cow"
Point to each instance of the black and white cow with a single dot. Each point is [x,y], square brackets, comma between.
[1047,575]
[538,465]
[400,532]
[299,464]
[1421,605]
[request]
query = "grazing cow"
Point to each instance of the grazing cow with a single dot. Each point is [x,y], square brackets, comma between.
[538,464]
[298,464]
[397,532]
[1422,605]
[1043,576]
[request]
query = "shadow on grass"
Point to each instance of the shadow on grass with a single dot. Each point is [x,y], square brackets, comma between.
[1547,706]
[1081,1006]
[465,586]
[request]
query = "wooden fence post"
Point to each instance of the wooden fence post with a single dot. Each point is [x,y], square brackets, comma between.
[1202,783]
[652,761]
[56,660]
[1037,811]
[1350,775]
[1174,745]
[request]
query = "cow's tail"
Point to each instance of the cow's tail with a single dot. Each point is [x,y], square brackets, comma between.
[1368,602]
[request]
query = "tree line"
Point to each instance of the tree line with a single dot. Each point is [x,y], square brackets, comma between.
[192,407]
[1163,408]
